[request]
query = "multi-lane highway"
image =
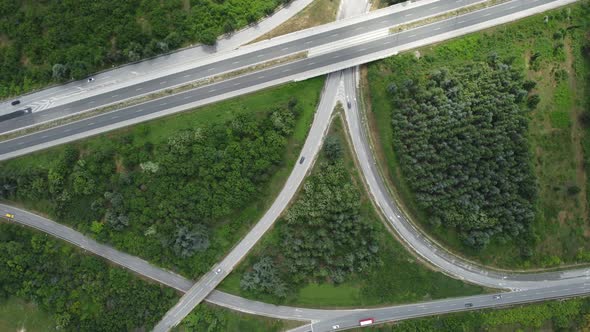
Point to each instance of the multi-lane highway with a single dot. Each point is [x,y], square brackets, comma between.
[324,319]
[439,307]
[160,66]
[228,61]
[338,59]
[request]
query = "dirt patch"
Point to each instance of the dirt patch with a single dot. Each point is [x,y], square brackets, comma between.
[25,60]
[145,25]
[562,216]
[119,167]
[186,5]
[317,13]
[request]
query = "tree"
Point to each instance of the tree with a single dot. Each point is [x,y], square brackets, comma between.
[533,101]
[59,72]
[188,241]
[264,277]
[333,148]
[208,37]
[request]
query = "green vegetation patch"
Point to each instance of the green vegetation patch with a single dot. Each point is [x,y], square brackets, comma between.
[177,191]
[82,293]
[551,53]
[41,42]
[216,319]
[330,250]
[18,315]
[570,315]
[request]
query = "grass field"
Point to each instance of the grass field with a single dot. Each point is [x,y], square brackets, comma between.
[399,279]
[233,227]
[558,141]
[317,13]
[17,315]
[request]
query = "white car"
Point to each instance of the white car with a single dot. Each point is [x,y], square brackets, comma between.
[218,271]
[335,327]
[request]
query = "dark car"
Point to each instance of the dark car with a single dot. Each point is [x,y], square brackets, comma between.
[16,102]
[468,305]
[301,160]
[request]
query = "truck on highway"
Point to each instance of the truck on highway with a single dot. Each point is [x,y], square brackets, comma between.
[366,321]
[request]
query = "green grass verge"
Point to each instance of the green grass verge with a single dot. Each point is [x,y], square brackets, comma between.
[18,315]
[400,279]
[558,141]
[569,315]
[212,319]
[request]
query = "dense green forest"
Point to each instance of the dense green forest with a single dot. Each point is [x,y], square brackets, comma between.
[82,292]
[569,315]
[45,41]
[458,194]
[461,138]
[323,236]
[331,250]
[177,197]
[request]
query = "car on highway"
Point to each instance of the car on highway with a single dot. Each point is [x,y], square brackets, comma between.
[468,305]
[301,160]
[15,102]
[90,79]
[366,321]
[497,297]
[218,271]
[348,102]
[9,216]
[335,327]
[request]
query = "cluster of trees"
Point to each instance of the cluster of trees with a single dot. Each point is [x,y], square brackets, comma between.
[62,40]
[322,236]
[82,292]
[460,137]
[160,201]
[214,319]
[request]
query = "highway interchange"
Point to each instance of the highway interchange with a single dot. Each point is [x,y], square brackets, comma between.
[228,61]
[307,67]
[531,287]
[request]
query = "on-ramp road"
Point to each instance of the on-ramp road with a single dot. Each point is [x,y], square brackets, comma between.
[310,149]
[319,64]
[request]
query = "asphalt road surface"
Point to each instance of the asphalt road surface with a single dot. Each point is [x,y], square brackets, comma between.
[156,67]
[415,239]
[325,318]
[227,64]
[157,274]
[533,286]
[301,67]
[309,151]
[431,308]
